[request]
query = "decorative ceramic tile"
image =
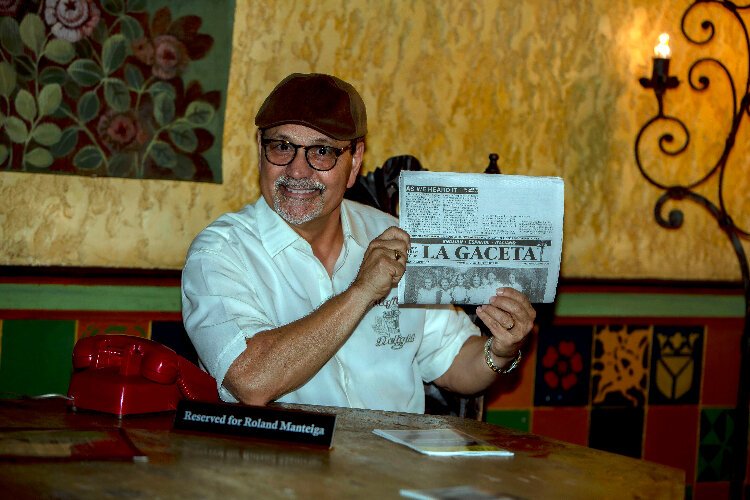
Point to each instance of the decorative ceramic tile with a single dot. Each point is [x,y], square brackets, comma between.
[562,367]
[36,357]
[715,449]
[618,430]
[671,437]
[514,419]
[569,424]
[711,491]
[676,364]
[113,326]
[516,389]
[721,370]
[173,335]
[619,369]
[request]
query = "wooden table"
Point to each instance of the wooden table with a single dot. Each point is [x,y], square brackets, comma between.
[360,464]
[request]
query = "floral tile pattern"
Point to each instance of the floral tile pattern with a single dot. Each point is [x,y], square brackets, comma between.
[563,366]
[116,88]
[619,370]
[676,365]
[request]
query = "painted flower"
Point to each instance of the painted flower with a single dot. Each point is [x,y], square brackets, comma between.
[562,364]
[71,20]
[170,56]
[121,130]
[143,49]
[166,55]
[9,7]
[170,45]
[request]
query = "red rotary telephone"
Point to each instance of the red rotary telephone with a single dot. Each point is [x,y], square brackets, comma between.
[123,374]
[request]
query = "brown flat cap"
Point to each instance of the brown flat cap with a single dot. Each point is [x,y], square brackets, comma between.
[322,102]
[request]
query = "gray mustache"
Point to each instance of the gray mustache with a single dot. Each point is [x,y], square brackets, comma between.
[288,182]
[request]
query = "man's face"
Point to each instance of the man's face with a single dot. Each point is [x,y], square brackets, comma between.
[445,284]
[428,282]
[477,281]
[298,193]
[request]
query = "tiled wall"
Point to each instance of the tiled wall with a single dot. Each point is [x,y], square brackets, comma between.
[646,373]
[661,389]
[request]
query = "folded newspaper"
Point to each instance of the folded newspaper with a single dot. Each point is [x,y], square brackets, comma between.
[474,233]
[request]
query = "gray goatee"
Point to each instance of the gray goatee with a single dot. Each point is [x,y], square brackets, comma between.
[294,211]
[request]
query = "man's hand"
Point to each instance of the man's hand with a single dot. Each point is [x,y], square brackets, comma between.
[384,263]
[510,317]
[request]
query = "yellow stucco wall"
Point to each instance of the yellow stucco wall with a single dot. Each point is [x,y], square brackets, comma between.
[551,86]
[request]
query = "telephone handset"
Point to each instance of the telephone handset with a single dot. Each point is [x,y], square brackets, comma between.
[123,374]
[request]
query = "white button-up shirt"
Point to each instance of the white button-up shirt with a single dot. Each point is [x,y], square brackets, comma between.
[250,271]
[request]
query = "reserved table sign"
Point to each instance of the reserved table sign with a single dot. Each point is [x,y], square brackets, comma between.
[256,421]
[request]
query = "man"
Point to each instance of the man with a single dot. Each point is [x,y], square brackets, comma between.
[293,299]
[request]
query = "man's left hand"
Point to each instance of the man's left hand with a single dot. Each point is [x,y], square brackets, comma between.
[509,317]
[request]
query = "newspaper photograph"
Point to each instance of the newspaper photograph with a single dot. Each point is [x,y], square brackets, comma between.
[474,233]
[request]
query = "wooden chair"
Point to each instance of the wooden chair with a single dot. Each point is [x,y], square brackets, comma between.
[379,189]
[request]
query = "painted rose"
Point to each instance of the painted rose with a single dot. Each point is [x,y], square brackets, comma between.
[563,364]
[71,20]
[9,7]
[170,57]
[121,130]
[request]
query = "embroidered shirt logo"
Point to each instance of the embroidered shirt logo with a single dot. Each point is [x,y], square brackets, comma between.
[386,325]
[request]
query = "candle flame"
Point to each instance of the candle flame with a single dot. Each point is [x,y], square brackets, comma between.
[662,50]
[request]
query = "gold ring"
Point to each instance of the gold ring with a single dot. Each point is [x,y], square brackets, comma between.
[397,254]
[512,324]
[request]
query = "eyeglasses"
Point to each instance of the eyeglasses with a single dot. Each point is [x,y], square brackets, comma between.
[320,157]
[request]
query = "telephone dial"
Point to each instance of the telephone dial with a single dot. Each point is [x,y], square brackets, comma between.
[124,375]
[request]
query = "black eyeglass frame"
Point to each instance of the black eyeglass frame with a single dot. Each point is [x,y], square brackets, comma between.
[264,141]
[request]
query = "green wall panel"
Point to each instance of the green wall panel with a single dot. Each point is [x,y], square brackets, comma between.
[643,305]
[53,297]
[514,419]
[35,357]
[56,297]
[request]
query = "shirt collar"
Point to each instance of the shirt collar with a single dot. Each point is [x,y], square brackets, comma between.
[357,233]
[275,233]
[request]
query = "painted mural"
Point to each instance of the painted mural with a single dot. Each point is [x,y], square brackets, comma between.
[108,88]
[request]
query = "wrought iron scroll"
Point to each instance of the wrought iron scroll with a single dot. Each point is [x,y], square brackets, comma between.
[660,82]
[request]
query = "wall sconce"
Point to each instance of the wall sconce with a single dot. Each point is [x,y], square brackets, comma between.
[660,79]
[660,82]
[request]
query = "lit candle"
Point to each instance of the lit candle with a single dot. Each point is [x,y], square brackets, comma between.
[662,53]
[662,50]
[660,80]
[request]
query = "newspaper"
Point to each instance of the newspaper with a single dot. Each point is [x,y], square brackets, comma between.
[474,233]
